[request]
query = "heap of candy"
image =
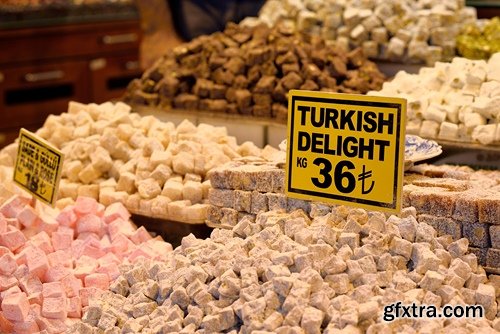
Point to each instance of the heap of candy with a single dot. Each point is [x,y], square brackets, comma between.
[285,273]
[407,30]
[457,101]
[480,40]
[249,70]
[152,167]
[52,262]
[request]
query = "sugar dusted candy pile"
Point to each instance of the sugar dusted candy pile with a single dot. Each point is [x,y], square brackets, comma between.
[249,70]
[421,31]
[52,262]
[458,101]
[154,168]
[285,273]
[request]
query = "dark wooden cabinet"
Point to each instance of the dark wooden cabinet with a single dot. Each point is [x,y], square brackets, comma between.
[43,68]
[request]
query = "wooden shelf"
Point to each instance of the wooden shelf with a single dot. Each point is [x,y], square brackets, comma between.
[43,68]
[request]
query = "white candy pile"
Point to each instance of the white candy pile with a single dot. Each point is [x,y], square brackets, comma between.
[402,30]
[457,101]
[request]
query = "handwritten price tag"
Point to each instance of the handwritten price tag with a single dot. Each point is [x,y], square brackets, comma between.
[38,167]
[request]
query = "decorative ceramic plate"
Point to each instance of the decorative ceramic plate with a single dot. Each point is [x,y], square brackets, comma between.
[416,149]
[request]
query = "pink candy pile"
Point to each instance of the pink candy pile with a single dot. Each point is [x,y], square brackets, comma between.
[51,264]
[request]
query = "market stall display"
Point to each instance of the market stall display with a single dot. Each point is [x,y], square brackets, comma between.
[480,40]
[249,70]
[403,31]
[457,101]
[53,262]
[460,202]
[154,168]
[287,273]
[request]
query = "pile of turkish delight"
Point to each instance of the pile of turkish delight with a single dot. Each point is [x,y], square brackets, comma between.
[154,168]
[457,101]
[287,273]
[417,31]
[53,262]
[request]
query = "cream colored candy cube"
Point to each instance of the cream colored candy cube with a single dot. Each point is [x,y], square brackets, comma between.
[75,107]
[177,210]
[71,169]
[448,131]
[197,212]
[429,129]
[151,145]
[472,120]
[126,182]
[68,189]
[183,163]
[173,190]
[89,190]
[161,157]
[101,160]
[485,134]
[192,191]
[133,202]
[161,174]
[159,206]
[435,113]
[89,174]
[148,188]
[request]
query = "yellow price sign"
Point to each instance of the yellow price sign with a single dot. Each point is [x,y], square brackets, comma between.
[38,167]
[346,149]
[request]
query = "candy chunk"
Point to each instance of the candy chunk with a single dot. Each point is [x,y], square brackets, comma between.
[141,235]
[7,282]
[12,290]
[74,307]
[56,273]
[121,244]
[61,240]
[14,205]
[54,308]
[71,285]
[37,262]
[67,217]
[89,223]
[42,241]
[192,191]
[114,211]
[183,163]
[12,239]
[28,217]
[8,264]
[149,188]
[97,280]
[173,190]
[85,205]
[16,307]
[89,293]
[110,269]
[48,223]
[53,289]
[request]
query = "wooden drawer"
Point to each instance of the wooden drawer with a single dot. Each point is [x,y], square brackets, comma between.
[110,76]
[28,94]
[68,41]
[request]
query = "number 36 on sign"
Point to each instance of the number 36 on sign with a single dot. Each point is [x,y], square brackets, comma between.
[346,149]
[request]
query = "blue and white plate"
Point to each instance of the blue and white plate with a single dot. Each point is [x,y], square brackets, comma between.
[418,149]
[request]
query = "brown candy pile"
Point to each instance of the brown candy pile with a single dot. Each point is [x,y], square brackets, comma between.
[249,70]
